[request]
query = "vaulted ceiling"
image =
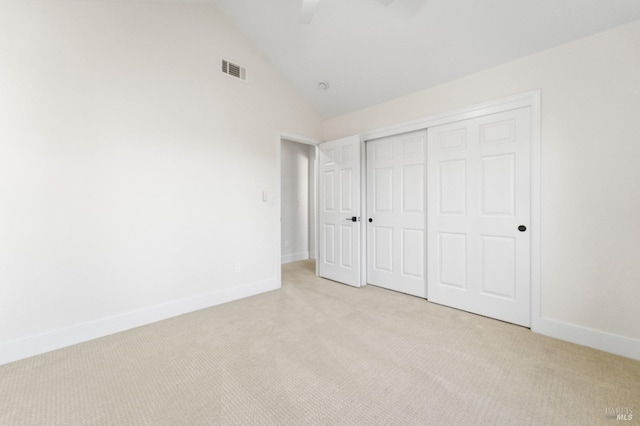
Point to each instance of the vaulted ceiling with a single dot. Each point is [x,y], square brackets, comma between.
[369,53]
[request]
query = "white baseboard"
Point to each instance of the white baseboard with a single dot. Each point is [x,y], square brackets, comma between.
[603,341]
[288,258]
[56,339]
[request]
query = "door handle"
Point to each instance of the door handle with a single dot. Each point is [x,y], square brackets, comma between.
[352,219]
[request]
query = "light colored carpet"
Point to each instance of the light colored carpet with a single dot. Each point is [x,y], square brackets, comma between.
[318,352]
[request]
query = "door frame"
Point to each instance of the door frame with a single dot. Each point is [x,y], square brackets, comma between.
[277,195]
[527,99]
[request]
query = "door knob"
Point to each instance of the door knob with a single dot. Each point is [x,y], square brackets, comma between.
[370,219]
[352,219]
[522,228]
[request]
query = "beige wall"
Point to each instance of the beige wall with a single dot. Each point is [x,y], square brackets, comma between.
[131,168]
[590,139]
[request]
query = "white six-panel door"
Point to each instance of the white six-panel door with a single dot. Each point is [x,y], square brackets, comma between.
[478,196]
[339,203]
[396,215]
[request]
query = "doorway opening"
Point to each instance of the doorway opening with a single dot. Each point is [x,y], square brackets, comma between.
[297,201]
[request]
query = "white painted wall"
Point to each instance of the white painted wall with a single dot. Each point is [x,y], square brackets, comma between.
[295,162]
[590,173]
[131,168]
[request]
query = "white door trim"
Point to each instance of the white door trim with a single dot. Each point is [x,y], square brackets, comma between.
[528,99]
[278,195]
[363,212]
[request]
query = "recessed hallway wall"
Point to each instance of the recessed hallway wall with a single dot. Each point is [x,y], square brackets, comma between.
[298,207]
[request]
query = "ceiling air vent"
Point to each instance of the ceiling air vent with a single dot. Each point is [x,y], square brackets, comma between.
[234,70]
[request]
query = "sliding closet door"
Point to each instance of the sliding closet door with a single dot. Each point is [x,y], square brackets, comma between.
[396,216]
[479,197]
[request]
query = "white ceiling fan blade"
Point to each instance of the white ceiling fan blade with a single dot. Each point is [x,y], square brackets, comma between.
[385,2]
[307,11]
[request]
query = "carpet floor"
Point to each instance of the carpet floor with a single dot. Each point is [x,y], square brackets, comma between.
[320,353]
